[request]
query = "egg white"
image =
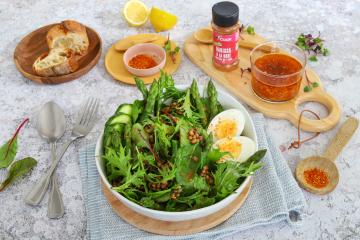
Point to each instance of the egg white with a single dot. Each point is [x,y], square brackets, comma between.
[248,148]
[230,114]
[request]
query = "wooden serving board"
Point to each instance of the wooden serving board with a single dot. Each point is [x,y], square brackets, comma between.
[34,44]
[175,228]
[201,55]
[115,66]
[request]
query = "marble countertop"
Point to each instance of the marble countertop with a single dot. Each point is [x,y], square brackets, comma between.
[334,216]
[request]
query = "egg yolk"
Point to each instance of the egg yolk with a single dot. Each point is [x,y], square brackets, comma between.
[225,128]
[232,146]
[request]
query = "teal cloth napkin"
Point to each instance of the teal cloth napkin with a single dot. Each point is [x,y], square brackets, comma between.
[274,197]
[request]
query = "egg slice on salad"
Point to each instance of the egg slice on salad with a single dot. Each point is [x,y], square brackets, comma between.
[229,123]
[240,148]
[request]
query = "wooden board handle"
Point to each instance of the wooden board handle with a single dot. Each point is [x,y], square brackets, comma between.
[314,125]
[342,138]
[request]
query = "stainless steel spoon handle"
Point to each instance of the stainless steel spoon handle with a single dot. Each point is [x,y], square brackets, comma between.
[56,204]
[37,192]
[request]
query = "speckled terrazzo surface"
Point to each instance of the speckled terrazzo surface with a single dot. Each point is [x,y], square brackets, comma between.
[334,216]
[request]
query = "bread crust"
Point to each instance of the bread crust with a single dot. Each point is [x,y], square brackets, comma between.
[65,28]
[69,65]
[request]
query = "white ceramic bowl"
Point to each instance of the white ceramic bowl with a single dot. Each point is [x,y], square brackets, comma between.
[149,49]
[249,130]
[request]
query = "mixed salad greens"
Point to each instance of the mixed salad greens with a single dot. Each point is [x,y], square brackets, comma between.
[158,153]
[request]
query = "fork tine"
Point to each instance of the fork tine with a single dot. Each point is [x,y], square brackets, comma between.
[82,111]
[87,111]
[93,114]
[90,112]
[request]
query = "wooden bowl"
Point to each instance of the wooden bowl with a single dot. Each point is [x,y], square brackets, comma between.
[34,44]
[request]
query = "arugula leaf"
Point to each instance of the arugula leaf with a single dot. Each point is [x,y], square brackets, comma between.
[17,169]
[8,153]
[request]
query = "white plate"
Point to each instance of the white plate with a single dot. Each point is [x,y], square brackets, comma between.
[249,130]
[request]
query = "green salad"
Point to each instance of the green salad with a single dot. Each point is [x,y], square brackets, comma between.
[159,154]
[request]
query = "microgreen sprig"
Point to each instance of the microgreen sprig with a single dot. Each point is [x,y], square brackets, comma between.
[314,46]
[310,85]
[172,53]
[249,29]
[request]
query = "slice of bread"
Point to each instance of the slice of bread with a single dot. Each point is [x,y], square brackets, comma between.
[68,42]
[68,35]
[57,62]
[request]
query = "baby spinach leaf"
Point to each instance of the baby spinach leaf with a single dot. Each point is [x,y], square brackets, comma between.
[18,169]
[8,152]
[185,167]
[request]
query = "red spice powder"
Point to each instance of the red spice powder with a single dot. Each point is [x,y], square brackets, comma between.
[316,177]
[142,61]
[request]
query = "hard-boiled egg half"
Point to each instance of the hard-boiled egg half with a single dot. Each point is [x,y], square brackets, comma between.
[240,148]
[226,128]
[229,123]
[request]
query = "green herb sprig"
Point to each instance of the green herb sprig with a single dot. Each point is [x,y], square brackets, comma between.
[172,52]
[249,29]
[314,46]
[310,85]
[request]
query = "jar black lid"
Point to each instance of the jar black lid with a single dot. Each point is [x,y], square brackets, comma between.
[225,14]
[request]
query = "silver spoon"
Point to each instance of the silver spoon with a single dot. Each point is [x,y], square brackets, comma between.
[51,126]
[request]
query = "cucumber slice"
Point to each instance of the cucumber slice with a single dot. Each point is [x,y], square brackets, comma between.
[120,118]
[124,108]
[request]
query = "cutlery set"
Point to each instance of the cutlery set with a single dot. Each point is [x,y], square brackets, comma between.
[51,126]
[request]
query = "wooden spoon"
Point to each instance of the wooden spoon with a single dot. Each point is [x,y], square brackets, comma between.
[205,36]
[326,161]
[126,43]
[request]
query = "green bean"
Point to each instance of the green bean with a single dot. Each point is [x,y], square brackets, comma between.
[212,96]
[199,105]
[141,86]
[150,101]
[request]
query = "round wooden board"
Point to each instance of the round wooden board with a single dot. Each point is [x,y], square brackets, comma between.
[115,66]
[34,44]
[175,228]
[201,55]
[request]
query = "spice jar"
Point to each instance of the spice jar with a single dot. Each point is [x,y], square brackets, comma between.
[225,25]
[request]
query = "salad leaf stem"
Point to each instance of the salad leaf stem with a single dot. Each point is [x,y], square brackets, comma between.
[8,150]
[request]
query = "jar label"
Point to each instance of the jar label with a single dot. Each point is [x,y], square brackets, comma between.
[225,48]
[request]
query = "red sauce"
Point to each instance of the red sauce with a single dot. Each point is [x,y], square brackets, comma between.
[271,82]
[142,61]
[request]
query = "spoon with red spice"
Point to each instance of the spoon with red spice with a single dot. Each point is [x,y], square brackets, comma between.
[319,174]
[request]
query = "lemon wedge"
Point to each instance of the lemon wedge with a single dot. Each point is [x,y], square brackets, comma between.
[136,13]
[162,20]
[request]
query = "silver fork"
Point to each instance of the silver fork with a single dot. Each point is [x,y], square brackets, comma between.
[84,123]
